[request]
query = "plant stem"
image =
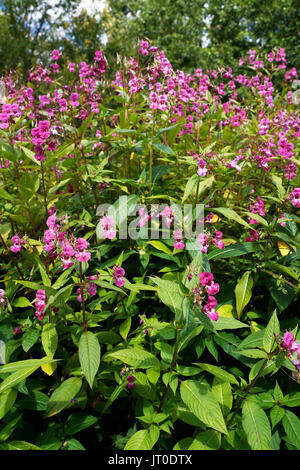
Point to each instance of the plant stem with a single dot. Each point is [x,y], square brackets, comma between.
[172,366]
[151,154]
[82,298]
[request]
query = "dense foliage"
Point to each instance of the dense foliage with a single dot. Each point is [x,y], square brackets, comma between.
[117,336]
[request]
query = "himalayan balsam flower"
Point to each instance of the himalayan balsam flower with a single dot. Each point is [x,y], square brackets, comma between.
[108,227]
[295,197]
[292,348]
[2,299]
[118,274]
[178,237]
[40,304]
[17,244]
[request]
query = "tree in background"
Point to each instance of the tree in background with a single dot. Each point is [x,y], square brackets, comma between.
[192,33]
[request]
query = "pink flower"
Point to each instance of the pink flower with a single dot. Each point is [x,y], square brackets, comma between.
[295,197]
[287,340]
[55,54]
[83,256]
[108,224]
[118,274]
[179,243]
[74,99]
[168,216]
[202,239]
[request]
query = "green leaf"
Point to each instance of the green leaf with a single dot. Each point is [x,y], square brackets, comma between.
[144,439]
[125,328]
[30,154]
[272,329]
[203,404]
[62,396]
[49,339]
[19,445]
[16,377]
[224,323]
[236,249]
[243,292]
[231,215]
[137,358]
[7,399]
[74,444]
[15,366]
[278,183]
[292,399]
[170,294]
[44,275]
[160,246]
[256,426]
[291,424]
[78,422]
[65,149]
[207,440]
[218,372]
[163,148]
[193,181]
[36,401]
[222,392]
[252,341]
[276,415]
[89,355]
[30,337]
[21,302]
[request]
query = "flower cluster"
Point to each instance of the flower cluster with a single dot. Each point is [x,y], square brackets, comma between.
[257,208]
[2,299]
[205,287]
[292,348]
[204,239]
[40,304]
[118,274]
[17,243]
[89,287]
[55,238]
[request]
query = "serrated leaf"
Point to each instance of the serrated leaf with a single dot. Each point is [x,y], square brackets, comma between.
[62,396]
[125,328]
[232,215]
[276,415]
[203,404]
[16,377]
[30,337]
[89,355]
[272,329]
[78,422]
[291,424]
[160,246]
[207,440]
[15,366]
[218,372]
[237,249]
[137,358]
[223,393]
[243,292]
[7,399]
[256,426]
[143,440]
[49,339]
